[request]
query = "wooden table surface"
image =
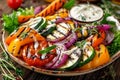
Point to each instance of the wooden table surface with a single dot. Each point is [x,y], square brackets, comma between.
[111,72]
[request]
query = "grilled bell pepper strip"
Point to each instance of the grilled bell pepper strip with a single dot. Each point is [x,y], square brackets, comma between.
[15,44]
[98,38]
[21,32]
[34,59]
[14,35]
[14,47]
[25,57]
[31,37]
[102,56]
[26,35]
[25,39]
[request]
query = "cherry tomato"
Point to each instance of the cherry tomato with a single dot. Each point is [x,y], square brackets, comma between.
[14,4]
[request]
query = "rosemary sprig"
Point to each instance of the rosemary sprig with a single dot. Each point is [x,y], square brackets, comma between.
[7,67]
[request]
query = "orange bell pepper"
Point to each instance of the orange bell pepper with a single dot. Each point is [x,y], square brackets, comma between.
[26,37]
[98,39]
[14,35]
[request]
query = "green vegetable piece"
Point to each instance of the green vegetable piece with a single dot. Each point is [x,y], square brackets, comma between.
[41,21]
[80,44]
[115,45]
[47,32]
[88,55]
[69,4]
[88,60]
[26,11]
[19,72]
[46,50]
[42,26]
[10,22]
[73,60]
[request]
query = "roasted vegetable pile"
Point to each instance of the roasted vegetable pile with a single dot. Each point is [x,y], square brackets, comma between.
[52,39]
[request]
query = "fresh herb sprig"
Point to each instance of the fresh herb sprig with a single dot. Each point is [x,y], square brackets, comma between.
[80,44]
[111,8]
[115,45]
[7,67]
[10,21]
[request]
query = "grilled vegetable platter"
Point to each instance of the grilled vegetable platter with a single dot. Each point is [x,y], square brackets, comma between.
[63,38]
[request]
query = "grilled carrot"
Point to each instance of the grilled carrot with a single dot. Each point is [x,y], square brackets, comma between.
[55,5]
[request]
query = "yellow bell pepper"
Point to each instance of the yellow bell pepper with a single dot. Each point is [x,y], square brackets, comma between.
[14,47]
[102,57]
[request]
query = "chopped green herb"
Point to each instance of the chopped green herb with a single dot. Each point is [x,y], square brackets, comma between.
[46,50]
[80,44]
[19,71]
[82,17]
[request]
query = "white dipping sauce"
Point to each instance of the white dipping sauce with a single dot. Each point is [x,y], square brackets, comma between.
[86,12]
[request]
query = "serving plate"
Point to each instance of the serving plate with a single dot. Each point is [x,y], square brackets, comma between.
[53,72]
